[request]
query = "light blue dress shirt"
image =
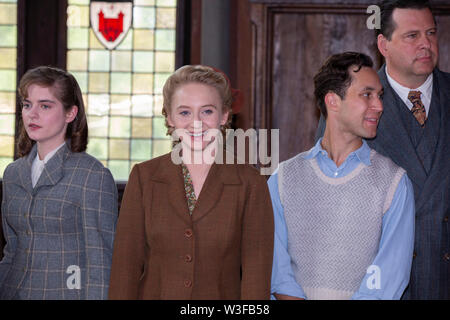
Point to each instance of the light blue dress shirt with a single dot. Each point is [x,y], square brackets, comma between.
[394,257]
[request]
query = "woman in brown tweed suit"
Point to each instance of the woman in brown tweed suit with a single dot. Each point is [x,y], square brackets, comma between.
[194,230]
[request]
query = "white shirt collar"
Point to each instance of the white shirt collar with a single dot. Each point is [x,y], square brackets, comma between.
[426,89]
[38,165]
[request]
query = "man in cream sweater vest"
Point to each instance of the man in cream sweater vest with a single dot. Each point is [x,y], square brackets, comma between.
[344,214]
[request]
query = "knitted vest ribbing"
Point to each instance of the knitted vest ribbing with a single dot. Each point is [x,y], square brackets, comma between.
[334,224]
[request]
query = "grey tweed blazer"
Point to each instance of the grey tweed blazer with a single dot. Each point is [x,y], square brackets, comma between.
[59,234]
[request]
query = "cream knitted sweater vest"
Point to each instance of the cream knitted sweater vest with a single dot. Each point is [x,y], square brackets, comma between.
[334,224]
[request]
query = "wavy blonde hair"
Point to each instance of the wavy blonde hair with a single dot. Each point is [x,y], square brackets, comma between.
[198,74]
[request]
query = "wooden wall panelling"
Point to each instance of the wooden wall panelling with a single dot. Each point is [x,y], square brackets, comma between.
[442,15]
[241,68]
[196,32]
[292,40]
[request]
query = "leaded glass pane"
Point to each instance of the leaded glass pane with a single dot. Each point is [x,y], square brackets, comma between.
[144,17]
[7,102]
[77,59]
[165,40]
[120,105]
[142,105]
[119,149]
[141,127]
[77,38]
[98,82]
[141,149]
[8,35]
[98,104]
[122,87]
[159,128]
[7,124]
[165,18]
[164,61]
[144,2]
[120,82]
[166,3]
[99,60]
[121,61]
[161,147]
[7,80]
[6,146]
[8,56]
[8,13]
[120,169]
[98,148]
[142,83]
[143,61]
[144,39]
[119,127]
[98,127]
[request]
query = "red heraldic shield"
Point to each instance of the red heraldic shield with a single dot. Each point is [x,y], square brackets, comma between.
[111,21]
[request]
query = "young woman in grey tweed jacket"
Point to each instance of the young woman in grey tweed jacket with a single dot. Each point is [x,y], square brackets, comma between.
[59,206]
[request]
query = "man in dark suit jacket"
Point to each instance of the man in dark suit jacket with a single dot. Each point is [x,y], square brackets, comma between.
[414,131]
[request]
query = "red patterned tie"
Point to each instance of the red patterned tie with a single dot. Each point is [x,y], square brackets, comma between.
[418,109]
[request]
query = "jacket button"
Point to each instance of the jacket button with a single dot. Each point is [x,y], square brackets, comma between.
[445,219]
[447,256]
[414,255]
[187,283]
[188,233]
[187,258]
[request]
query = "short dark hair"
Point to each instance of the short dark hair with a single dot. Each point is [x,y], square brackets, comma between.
[68,92]
[334,76]
[387,7]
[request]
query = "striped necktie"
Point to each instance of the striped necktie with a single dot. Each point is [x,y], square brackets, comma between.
[418,109]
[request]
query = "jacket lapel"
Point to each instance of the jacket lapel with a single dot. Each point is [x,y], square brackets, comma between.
[24,176]
[53,169]
[392,133]
[171,176]
[440,167]
[218,176]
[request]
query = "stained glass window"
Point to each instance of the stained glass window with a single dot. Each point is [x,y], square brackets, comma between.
[8,54]
[122,87]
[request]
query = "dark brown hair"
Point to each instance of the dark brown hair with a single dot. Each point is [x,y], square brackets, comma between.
[68,92]
[334,76]
[387,7]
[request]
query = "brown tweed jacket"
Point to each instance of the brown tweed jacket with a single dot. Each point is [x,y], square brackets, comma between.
[223,251]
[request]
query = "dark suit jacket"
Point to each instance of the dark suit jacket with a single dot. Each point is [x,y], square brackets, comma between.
[161,252]
[430,276]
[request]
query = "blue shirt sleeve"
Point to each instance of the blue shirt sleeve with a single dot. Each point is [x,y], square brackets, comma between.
[283,280]
[388,276]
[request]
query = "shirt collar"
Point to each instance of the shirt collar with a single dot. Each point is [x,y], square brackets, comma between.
[49,155]
[426,88]
[362,153]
